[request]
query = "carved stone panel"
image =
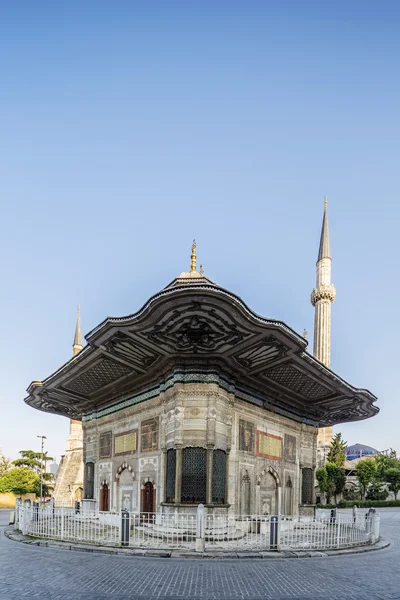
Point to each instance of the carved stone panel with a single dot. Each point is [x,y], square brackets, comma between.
[149,435]
[289,452]
[246,436]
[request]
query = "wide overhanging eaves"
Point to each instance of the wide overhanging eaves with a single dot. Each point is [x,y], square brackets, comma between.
[191,326]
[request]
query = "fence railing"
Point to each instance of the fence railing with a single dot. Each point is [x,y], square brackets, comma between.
[198,531]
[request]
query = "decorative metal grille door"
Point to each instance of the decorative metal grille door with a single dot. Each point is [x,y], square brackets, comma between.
[307,486]
[89,480]
[194,475]
[171,473]
[219,477]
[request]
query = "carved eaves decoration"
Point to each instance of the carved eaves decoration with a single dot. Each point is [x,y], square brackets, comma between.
[204,326]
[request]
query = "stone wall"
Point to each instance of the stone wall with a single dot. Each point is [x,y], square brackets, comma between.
[265,451]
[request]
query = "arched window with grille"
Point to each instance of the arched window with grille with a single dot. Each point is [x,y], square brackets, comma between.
[219,477]
[171,474]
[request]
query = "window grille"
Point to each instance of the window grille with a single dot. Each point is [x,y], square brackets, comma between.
[194,475]
[307,485]
[218,477]
[89,480]
[171,473]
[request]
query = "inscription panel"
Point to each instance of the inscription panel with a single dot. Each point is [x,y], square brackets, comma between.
[269,446]
[125,443]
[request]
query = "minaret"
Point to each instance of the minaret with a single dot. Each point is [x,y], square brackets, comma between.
[321,298]
[77,346]
[69,480]
[323,295]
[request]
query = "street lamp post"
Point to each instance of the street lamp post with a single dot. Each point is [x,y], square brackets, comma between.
[42,437]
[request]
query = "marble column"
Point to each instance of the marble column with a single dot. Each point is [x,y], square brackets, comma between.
[209,475]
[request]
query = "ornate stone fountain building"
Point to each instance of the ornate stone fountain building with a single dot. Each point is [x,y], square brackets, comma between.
[197,399]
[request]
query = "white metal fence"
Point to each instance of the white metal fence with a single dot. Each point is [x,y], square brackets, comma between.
[198,530]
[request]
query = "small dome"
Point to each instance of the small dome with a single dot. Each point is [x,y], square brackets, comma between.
[360,450]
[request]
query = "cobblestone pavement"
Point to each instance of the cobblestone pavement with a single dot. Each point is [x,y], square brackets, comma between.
[34,572]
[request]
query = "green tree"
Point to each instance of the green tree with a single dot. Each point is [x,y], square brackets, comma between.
[384,462]
[33,460]
[331,480]
[337,451]
[20,480]
[366,472]
[376,492]
[322,478]
[393,479]
[336,478]
[5,465]
[36,461]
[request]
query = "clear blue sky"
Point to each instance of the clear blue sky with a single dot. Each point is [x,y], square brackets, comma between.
[129,128]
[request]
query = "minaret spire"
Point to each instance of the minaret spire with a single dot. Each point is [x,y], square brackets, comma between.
[324,244]
[77,346]
[323,295]
[193,258]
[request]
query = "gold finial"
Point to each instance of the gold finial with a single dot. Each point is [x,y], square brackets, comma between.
[193,257]
[201,270]
[305,334]
[325,202]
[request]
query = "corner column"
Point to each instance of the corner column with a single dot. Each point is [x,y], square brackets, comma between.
[209,475]
[228,450]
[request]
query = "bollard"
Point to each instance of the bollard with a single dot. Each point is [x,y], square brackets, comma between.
[273,533]
[124,528]
[354,513]
[200,528]
[18,505]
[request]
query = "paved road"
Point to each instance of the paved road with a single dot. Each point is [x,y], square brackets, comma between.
[29,571]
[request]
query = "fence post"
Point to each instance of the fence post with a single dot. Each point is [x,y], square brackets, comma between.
[18,504]
[338,532]
[61,523]
[273,533]
[35,511]
[278,534]
[124,530]
[200,528]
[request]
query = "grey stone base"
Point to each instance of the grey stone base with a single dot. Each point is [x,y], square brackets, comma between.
[14,535]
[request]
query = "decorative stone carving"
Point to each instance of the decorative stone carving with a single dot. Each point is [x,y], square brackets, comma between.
[323,292]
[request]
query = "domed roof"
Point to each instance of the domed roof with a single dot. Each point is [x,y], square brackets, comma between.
[360,450]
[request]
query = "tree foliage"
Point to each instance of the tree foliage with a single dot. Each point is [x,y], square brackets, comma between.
[393,479]
[337,451]
[331,480]
[5,465]
[35,461]
[384,462]
[322,478]
[366,472]
[20,480]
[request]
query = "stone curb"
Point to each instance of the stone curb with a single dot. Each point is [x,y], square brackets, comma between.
[15,536]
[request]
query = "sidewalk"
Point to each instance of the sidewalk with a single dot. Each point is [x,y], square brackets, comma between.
[15,536]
